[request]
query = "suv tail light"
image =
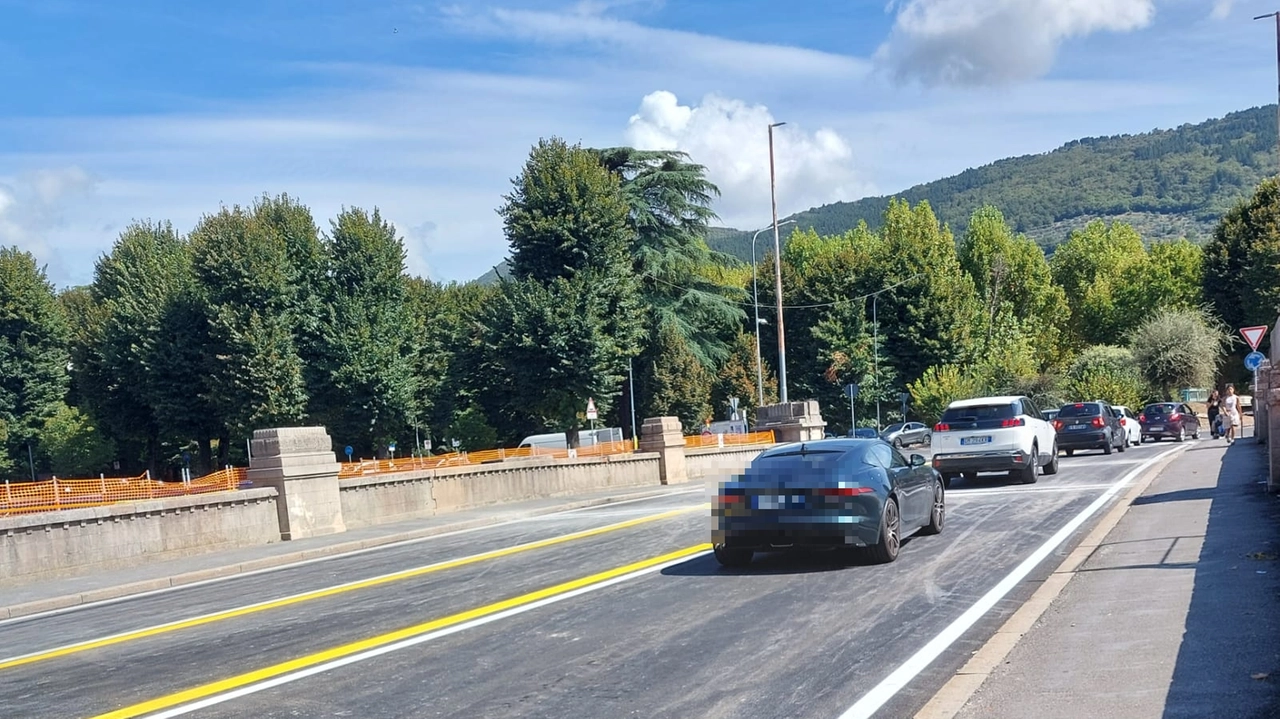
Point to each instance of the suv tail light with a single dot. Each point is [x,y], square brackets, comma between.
[1057,424]
[1015,422]
[1099,422]
[942,427]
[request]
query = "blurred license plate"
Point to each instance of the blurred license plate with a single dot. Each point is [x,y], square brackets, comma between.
[771,501]
[1155,428]
[1078,426]
[974,440]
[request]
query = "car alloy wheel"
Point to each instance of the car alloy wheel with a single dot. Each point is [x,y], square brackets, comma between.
[890,538]
[938,516]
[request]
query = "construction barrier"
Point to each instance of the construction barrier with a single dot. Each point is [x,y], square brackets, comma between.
[696,441]
[484,456]
[55,494]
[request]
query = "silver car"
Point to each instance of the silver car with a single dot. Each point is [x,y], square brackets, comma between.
[906,434]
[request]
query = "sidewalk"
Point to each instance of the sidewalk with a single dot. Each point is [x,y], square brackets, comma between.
[46,595]
[1175,614]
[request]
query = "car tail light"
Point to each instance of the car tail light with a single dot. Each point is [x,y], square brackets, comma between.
[1142,418]
[1175,417]
[844,491]
[942,427]
[1099,422]
[1015,422]
[1057,424]
[725,500]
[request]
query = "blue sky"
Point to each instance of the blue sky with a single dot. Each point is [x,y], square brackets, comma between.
[148,109]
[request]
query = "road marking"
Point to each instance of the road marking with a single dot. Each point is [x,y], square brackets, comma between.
[333,590]
[331,557]
[1001,491]
[201,697]
[871,702]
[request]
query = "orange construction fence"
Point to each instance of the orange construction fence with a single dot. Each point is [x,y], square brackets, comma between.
[485,456]
[55,494]
[696,441]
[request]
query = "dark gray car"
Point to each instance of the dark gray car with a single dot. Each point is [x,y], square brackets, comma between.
[833,493]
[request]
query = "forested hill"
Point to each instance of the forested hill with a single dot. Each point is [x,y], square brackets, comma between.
[1166,183]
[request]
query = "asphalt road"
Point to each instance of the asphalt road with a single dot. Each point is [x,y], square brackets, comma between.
[631,617]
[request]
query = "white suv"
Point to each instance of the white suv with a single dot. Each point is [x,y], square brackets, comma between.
[994,434]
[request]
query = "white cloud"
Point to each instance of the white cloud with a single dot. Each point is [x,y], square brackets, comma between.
[34,210]
[1222,9]
[976,42]
[730,138]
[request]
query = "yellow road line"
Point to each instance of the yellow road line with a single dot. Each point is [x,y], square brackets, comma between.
[365,645]
[335,590]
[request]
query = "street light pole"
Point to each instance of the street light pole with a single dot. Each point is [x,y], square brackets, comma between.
[755,299]
[777,274]
[1275,15]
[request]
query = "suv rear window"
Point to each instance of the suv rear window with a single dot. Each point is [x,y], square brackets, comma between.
[1080,410]
[979,412]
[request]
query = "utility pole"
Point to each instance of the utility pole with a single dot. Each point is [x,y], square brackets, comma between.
[755,299]
[777,275]
[1276,15]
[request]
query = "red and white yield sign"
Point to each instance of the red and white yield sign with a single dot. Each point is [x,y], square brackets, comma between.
[1253,335]
[591,409]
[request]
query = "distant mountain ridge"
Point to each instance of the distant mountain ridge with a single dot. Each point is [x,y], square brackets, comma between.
[1168,184]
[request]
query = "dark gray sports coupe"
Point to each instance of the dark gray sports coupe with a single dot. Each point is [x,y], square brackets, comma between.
[832,493]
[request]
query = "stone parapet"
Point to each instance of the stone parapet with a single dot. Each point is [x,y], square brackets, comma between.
[300,464]
[792,421]
[665,436]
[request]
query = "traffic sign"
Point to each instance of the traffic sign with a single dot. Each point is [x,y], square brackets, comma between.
[350,451]
[1254,335]
[591,409]
[851,391]
[1253,361]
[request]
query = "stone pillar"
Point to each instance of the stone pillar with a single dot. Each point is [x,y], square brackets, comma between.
[1261,410]
[792,422]
[665,436]
[300,463]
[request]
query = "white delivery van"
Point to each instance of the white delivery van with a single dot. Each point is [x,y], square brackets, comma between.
[558,440]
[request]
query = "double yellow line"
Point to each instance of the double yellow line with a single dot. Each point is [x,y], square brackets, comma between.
[334,591]
[409,636]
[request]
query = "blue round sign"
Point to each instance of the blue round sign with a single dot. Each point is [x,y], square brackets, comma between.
[350,450]
[1253,361]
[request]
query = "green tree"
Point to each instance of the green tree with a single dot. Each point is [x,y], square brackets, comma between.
[1091,267]
[939,386]
[472,430]
[1108,385]
[365,391]
[549,347]
[1242,262]
[253,370]
[33,350]
[675,383]
[669,200]
[737,377]
[7,464]
[1180,349]
[565,214]
[71,446]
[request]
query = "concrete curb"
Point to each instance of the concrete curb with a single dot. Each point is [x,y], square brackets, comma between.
[955,694]
[41,606]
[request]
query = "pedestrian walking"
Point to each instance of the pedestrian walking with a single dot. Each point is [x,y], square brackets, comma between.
[1231,409]
[1215,410]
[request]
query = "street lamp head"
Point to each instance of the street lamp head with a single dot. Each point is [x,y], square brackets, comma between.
[777,124]
[1264,17]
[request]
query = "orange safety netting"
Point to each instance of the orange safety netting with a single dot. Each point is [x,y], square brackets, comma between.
[55,494]
[727,440]
[485,456]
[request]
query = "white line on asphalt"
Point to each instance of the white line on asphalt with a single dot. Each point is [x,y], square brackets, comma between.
[335,664]
[871,702]
[331,557]
[1024,491]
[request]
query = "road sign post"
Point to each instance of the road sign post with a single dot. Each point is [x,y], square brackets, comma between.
[851,391]
[350,451]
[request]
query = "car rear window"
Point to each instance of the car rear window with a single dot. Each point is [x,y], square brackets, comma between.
[1158,408]
[1080,410]
[979,412]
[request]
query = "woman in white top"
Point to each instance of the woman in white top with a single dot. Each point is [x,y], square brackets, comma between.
[1231,408]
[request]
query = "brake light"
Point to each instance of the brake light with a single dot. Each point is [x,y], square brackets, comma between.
[1099,422]
[725,500]
[1015,422]
[1079,404]
[1142,418]
[942,427]
[1057,424]
[1175,417]
[844,491]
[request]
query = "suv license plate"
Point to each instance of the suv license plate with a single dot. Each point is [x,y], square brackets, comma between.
[974,440]
[1078,426]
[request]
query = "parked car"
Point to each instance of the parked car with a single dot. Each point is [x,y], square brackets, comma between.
[1169,419]
[906,434]
[865,433]
[1129,420]
[994,434]
[1050,414]
[1089,425]
[839,494]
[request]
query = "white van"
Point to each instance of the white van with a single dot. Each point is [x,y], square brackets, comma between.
[558,440]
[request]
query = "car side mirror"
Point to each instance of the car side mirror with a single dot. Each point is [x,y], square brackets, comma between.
[917,460]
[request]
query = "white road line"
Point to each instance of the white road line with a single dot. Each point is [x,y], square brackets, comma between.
[331,557]
[871,702]
[372,653]
[1024,491]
